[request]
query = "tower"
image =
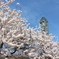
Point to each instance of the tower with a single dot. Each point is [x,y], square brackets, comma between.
[44,25]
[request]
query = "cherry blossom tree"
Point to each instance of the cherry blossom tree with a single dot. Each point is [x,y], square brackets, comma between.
[18,40]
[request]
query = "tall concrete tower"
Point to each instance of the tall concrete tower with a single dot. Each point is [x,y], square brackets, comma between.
[44,25]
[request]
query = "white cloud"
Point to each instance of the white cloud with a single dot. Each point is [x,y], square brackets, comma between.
[17,3]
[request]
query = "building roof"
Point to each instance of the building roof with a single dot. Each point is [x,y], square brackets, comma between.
[43,19]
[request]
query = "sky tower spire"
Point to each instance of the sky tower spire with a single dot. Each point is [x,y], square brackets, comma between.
[44,25]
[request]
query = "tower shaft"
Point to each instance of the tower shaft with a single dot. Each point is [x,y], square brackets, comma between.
[44,25]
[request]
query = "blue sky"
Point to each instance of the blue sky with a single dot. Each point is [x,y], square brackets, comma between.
[33,10]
